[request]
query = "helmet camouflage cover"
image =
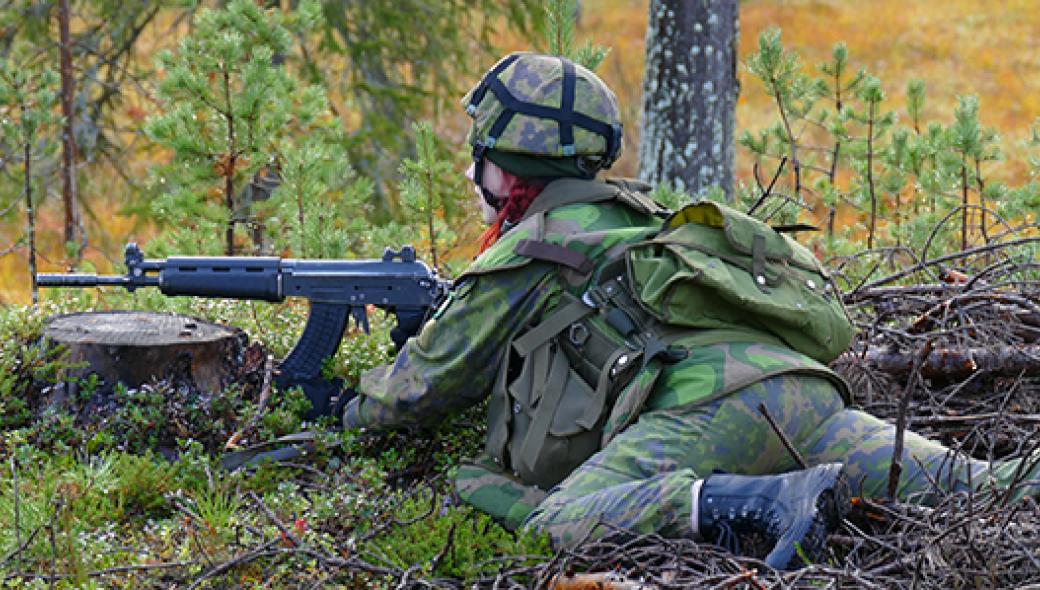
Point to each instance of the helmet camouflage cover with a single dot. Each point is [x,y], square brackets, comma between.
[544,105]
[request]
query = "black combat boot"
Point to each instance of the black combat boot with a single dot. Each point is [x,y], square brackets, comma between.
[774,513]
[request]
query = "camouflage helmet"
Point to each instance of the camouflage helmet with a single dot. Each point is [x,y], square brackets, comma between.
[544,106]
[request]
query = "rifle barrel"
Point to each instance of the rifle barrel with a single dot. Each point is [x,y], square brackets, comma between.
[88,280]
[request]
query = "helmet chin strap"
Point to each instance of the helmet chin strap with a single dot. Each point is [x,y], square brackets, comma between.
[478,176]
[490,199]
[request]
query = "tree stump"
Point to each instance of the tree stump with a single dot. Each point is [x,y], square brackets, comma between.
[134,347]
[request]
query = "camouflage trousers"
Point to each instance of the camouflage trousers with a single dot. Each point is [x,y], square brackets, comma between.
[641,480]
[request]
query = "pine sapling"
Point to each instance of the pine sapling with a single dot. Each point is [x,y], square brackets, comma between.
[966,141]
[872,94]
[780,70]
[560,22]
[835,70]
[427,190]
[227,105]
[318,209]
[27,98]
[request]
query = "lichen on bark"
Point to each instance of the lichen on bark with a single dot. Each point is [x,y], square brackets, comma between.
[689,95]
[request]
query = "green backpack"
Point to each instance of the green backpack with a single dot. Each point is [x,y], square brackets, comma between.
[583,372]
[715,268]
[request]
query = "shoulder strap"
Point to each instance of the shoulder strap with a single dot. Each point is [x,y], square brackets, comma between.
[568,191]
[549,252]
[641,202]
[559,320]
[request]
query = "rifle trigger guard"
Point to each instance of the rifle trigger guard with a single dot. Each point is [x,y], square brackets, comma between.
[360,316]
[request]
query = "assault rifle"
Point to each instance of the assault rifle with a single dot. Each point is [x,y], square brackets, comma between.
[337,290]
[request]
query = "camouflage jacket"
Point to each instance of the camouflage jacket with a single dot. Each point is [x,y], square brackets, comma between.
[453,362]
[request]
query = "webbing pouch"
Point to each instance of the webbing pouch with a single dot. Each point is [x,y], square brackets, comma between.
[555,417]
[557,399]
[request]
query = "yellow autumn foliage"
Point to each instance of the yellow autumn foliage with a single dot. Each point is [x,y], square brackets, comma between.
[956,46]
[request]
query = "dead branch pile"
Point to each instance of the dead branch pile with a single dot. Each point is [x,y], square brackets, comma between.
[961,334]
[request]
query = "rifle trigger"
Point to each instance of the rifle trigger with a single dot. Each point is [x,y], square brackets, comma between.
[360,317]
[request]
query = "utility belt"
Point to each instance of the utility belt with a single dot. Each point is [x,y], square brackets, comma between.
[575,379]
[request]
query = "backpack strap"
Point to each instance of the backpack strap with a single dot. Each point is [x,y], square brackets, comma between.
[569,191]
[558,321]
[549,252]
[551,394]
[635,194]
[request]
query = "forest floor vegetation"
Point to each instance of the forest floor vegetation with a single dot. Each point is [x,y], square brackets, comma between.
[117,487]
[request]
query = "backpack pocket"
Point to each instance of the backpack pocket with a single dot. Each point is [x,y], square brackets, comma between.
[556,417]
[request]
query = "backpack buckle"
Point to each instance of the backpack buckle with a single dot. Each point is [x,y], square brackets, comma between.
[656,348]
[594,298]
[599,295]
[578,334]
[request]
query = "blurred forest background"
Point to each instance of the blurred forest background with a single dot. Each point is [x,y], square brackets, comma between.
[380,74]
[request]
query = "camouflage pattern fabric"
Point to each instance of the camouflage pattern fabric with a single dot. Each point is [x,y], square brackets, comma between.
[641,481]
[452,363]
[692,423]
[538,79]
[481,483]
[712,370]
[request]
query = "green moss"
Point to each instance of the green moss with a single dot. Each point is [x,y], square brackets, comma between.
[455,542]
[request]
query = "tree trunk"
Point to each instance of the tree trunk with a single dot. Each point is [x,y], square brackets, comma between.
[135,347]
[689,95]
[68,137]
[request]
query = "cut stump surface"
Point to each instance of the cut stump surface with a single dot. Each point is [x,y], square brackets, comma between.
[134,347]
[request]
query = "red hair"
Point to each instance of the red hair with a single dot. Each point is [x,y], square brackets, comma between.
[520,198]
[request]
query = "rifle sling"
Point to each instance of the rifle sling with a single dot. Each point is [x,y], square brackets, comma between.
[296,445]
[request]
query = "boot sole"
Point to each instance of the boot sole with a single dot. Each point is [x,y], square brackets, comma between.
[832,502]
